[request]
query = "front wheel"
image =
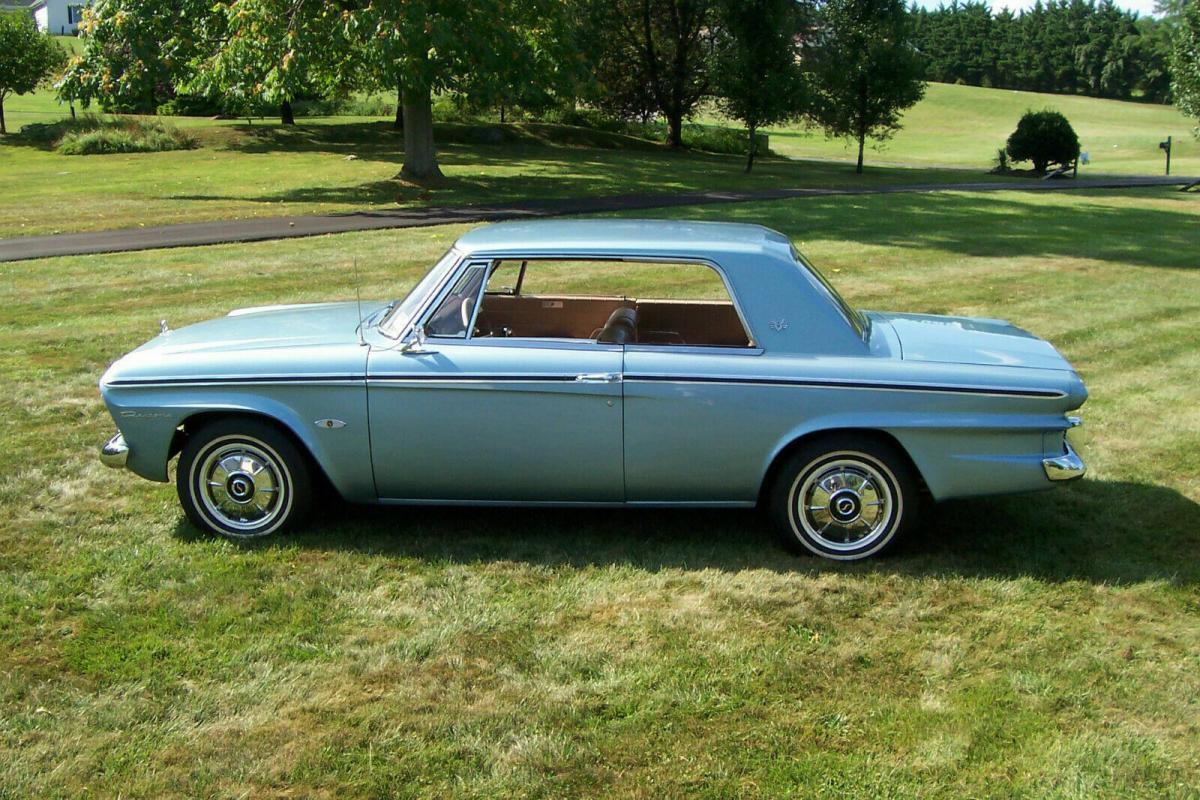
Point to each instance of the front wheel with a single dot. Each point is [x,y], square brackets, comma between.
[242,479]
[844,498]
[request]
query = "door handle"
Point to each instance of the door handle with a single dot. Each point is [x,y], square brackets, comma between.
[598,377]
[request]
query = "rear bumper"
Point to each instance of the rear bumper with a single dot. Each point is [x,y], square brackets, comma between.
[114,453]
[1067,467]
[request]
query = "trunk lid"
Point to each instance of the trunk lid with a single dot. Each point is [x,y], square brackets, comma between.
[967,340]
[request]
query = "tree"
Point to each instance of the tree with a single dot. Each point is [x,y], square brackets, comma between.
[665,45]
[243,54]
[866,70]
[268,51]
[426,46]
[1185,62]
[135,51]
[30,57]
[1045,138]
[756,73]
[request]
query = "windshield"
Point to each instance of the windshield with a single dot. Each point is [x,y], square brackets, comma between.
[855,318]
[399,317]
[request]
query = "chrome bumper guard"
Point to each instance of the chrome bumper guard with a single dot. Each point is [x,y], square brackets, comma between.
[1066,467]
[114,453]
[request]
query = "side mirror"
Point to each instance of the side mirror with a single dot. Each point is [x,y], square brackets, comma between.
[416,345]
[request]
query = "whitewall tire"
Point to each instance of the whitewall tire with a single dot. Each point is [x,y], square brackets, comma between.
[844,497]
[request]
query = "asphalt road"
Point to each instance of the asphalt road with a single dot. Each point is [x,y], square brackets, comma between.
[193,234]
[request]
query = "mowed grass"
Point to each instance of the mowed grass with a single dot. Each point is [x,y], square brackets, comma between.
[344,164]
[963,126]
[1036,646]
[336,165]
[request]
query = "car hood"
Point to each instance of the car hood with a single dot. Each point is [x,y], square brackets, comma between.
[967,340]
[266,327]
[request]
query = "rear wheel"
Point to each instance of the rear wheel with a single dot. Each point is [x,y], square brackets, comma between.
[844,497]
[243,479]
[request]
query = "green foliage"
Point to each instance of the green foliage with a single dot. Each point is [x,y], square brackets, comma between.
[866,70]
[1185,62]
[651,56]
[1045,138]
[269,52]
[1062,46]
[136,52]
[28,58]
[1002,165]
[95,135]
[756,74]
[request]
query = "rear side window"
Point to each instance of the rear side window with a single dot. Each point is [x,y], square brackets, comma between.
[610,302]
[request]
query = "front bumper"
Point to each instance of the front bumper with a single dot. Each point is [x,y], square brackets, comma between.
[1067,467]
[114,453]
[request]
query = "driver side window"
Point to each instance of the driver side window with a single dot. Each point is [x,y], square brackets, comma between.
[456,310]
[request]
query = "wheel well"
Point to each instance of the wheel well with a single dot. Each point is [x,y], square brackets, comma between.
[198,420]
[783,455]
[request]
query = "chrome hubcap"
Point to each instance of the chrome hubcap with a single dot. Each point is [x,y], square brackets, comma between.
[844,504]
[241,485]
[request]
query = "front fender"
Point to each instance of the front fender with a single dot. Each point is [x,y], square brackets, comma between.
[149,418]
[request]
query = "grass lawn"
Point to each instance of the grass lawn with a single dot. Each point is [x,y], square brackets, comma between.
[335,165]
[1037,646]
[963,126]
[344,164]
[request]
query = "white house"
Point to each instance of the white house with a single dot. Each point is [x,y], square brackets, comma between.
[61,17]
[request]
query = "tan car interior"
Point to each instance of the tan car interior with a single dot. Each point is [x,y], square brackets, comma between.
[513,311]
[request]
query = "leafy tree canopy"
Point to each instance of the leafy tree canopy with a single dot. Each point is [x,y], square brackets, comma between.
[756,71]
[1185,62]
[866,69]
[29,57]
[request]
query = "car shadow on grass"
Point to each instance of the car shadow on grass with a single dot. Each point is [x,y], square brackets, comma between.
[1097,531]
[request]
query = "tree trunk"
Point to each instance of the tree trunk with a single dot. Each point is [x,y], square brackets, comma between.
[285,113]
[420,157]
[502,113]
[398,124]
[675,129]
[862,138]
[753,147]
[3,130]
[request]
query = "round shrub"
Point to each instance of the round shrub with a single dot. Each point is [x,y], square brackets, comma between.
[1045,138]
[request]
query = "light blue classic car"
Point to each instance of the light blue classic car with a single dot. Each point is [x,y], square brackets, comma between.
[607,362]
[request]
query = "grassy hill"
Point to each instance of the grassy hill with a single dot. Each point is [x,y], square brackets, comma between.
[965,125]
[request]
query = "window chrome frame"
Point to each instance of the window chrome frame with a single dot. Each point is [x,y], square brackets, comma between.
[751,348]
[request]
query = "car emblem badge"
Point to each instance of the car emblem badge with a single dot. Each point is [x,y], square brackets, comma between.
[779,324]
[330,423]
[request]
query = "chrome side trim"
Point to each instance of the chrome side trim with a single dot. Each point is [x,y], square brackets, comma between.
[841,384]
[233,380]
[1067,467]
[359,380]
[114,453]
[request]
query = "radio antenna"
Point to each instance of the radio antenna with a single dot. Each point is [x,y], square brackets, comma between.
[358,297]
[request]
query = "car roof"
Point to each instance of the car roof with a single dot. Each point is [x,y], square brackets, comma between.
[622,237]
